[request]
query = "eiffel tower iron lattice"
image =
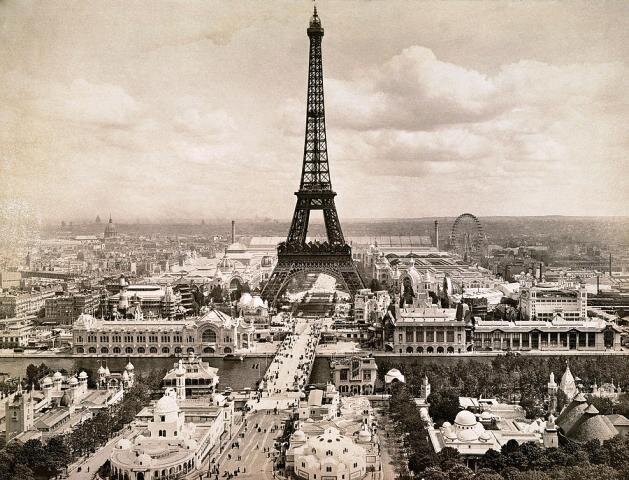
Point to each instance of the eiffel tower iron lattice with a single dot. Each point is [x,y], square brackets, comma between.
[296,255]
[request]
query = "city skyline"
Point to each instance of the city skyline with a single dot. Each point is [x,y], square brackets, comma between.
[200,113]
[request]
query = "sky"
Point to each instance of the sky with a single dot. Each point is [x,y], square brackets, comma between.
[159,110]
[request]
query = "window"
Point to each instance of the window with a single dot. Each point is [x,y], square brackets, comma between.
[328,469]
[344,374]
[162,418]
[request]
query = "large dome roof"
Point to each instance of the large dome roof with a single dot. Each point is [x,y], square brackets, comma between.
[465,418]
[166,404]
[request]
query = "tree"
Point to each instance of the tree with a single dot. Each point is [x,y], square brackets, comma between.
[31,374]
[444,405]
[460,472]
[374,285]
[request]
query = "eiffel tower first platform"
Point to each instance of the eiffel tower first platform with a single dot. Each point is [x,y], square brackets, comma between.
[295,255]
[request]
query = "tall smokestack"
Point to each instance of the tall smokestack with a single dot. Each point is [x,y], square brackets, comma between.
[437,234]
[233,231]
[541,271]
[598,285]
[610,265]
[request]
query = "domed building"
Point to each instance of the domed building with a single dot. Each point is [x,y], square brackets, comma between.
[329,454]
[169,447]
[472,440]
[111,232]
[582,422]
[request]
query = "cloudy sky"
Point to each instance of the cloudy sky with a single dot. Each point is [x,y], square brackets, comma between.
[158,110]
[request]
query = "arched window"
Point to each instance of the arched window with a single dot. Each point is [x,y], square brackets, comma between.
[430,350]
[227,350]
[177,349]
[153,350]
[208,350]
[92,350]
[104,350]
[420,349]
[409,349]
[439,349]
[165,350]
[116,349]
[129,350]
[208,336]
[80,350]
[140,349]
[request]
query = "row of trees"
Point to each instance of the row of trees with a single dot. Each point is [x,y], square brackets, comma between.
[35,460]
[528,461]
[509,377]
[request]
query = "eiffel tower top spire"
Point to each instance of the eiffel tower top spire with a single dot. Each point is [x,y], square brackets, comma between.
[315,172]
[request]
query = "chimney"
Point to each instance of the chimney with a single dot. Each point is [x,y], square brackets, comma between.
[541,271]
[233,231]
[610,265]
[598,285]
[437,234]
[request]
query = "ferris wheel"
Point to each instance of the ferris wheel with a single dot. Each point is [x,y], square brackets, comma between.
[467,237]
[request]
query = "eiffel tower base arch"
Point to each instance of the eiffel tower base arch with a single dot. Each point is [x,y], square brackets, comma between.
[341,267]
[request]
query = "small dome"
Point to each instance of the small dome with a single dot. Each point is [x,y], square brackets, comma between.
[101,370]
[486,415]
[46,382]
[393,375]
[129,367]
[166,404]
[73,382]
[465,418]
[246,300]
[124,444]
[364,435]
[139,440]
[125,375]
[57,375]
[299,436]
[83,376]
[485,436]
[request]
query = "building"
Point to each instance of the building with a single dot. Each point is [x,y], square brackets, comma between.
[320,404]
[23,304]
[415,325]
[370,307]
[168,445]
[545,301]
[581,422]
[151,301]
[191,377]
[111,232]
[210,333]
[474,435]
[10,279]
[15,332]
[344,446]
[355,375]
[66,309]
[557,334]
[19,413]
[254,311]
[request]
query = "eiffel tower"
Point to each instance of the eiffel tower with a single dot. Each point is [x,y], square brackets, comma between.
[296,255]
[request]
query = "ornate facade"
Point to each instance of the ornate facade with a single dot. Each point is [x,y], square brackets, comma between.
[212,332]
